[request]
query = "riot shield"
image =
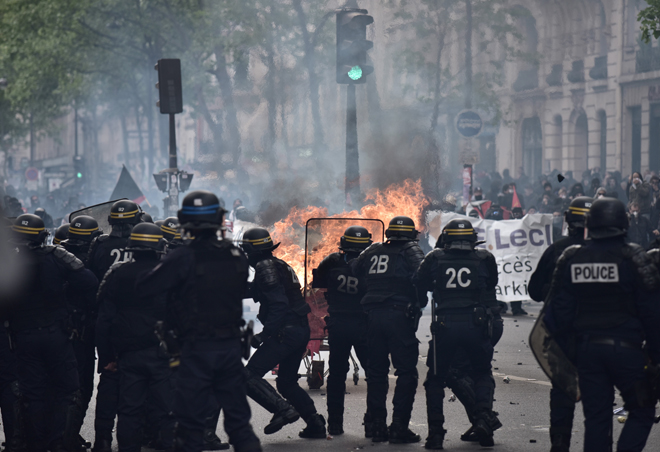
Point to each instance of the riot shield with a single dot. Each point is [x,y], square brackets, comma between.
[100,212]
[552,359]
[321,239]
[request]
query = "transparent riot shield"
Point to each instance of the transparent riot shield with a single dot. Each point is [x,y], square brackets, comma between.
[322,239]
[100,212]
[552,359]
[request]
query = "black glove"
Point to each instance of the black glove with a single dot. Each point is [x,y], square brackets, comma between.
[256,341]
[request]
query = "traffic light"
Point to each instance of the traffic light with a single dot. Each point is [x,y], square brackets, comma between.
[352,46]
[78,168]
[169,86]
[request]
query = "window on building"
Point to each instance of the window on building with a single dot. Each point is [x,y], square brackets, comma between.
[602,122]
[636,154]
[532,146]
[581,148]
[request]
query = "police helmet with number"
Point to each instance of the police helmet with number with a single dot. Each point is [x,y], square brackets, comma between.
[30,228]
[61,233]
[401,228]
[607,218]
[146,237]
[170,229]
[201,209]
[124,212]
[355,239]
[257,240]
[84,228]
[577,211]
[458,231]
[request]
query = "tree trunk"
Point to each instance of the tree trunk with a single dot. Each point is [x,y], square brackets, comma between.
[124,133]
[311,74]
[227,93]
[149,111]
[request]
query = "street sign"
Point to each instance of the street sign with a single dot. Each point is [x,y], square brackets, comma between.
[469,123]
[32,173]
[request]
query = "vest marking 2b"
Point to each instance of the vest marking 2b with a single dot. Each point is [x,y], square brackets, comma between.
[595,273]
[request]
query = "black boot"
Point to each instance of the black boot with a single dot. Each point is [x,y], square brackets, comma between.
[470,436]
[335,426]
[436,437]
[379,432]
[212,442]
[560,439]
[286,416]
[265,395]
[315,428]
[516,308]
[483,430]
[401,434]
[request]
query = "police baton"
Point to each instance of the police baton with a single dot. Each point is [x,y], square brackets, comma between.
[434,325]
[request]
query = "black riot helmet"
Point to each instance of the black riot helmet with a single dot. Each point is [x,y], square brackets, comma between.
[257,240]
[61,233]
[401,228]
[124,212]
[459,234]
[84,228]
[146,218]
[577,211]
[201,209]
[355,239]
[30,228]
[170,229]
[607,218]
[146,237]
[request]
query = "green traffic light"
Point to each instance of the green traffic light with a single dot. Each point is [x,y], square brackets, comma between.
[355,73]
[79,175]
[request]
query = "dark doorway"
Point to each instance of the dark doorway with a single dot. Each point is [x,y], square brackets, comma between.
[532,144]
[636,117]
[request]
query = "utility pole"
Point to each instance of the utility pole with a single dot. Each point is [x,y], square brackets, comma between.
[352,153]
[468,54]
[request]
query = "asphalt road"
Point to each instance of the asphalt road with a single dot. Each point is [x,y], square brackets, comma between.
[522,405]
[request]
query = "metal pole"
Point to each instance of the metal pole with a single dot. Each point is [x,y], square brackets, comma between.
[75,134]
[434,325]
[352,155]
[174,174]
[468,55]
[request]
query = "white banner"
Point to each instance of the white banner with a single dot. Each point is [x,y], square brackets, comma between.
[516,244]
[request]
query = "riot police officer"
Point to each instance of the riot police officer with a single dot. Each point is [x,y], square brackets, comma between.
[283,340]
[125,335]
[171,233]
[61,234]
[207,280]
[603,305]
[81,233]
[105,251]
[393,312]
[46,361]
[562,407]
[460,278]
[346,322]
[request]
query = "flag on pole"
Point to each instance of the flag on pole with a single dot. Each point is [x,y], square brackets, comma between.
[127,188]
[515,202]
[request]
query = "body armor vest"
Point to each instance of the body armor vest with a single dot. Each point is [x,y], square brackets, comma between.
[292,288]
[108,251]
[457,283]
[344,292]
[220,284]
[386,270]
[602,303]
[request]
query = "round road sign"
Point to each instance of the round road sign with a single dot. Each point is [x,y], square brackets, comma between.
[32,173]
[469,123]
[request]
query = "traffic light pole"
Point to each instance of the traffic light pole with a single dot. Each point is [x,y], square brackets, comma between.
[174,171]
[352,156]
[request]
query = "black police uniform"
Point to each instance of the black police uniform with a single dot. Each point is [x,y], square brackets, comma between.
[387,270]
[104,252]
[347,328]
[46,361]
[460,279]
[207,281]
[603,304]
[11,401]
[283,313]
[562,406]
[125,334]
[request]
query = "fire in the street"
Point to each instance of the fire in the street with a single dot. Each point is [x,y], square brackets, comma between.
[406,198]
